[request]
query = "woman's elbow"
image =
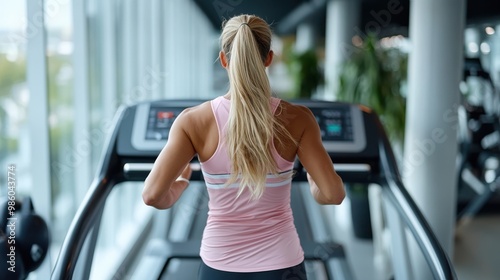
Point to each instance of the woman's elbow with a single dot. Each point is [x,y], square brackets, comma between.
[333,200]
[337,200]
[337,196]
[342,193]
[153,199]
[149,199]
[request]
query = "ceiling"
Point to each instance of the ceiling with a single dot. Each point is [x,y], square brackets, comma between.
[285,15]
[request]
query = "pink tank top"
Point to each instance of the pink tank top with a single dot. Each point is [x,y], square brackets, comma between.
[244,235]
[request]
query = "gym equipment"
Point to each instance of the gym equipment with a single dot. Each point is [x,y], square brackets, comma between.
[353,137]
[33,236]
[24,237]
[479,142]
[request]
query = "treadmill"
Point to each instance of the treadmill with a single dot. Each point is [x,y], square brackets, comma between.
[352,135]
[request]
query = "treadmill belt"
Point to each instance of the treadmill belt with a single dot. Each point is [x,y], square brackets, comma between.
[180,269]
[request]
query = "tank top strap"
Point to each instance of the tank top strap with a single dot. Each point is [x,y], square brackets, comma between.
[220,108]
[275,102]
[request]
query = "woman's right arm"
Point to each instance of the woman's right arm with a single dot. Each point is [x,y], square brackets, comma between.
[326,185]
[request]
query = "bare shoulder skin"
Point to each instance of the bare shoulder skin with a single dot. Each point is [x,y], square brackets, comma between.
[326,186]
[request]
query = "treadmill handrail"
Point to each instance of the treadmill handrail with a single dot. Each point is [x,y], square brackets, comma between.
[90,208]
[339,167]
[406,207]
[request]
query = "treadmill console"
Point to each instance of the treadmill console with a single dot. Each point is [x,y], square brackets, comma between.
[152,125]
[341,124]
[342,128]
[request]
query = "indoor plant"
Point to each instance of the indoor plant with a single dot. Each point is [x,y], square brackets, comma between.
[375,77]
[305,71]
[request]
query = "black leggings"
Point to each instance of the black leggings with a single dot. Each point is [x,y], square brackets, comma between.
[297,272]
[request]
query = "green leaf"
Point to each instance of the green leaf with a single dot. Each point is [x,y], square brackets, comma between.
[375,77]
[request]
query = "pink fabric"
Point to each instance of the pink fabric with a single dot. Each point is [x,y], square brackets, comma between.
[244,235]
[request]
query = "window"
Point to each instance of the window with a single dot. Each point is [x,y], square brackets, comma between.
[64,159]
[14,96]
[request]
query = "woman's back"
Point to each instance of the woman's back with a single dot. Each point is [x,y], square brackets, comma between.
[245,234]
[247,142]
[205,136]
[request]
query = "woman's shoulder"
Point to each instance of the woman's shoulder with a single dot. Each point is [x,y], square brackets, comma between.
[294,112]
[198,109]
[194,116]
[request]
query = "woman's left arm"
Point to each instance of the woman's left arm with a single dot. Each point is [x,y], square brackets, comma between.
[161,189]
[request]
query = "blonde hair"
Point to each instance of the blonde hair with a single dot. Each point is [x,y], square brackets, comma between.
[246,42]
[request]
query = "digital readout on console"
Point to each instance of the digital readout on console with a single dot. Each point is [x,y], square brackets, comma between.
[160,121]
[335,124]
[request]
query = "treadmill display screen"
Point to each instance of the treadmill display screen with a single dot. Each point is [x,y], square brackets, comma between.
[160,121]
[335,123]
[341,125]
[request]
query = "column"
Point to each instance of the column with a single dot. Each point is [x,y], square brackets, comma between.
[107,16]
[342,17]
[434,73]
[306,37]
[38,119]
[81,98]
[155,85]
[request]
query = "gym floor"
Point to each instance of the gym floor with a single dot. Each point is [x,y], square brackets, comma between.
[477,250]
[476,255]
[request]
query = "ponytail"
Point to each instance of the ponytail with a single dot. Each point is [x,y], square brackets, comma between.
[251,126]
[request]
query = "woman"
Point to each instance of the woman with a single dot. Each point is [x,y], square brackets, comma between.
[246,142]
